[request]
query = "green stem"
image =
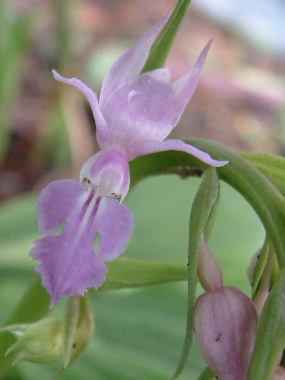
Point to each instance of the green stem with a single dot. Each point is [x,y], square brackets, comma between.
[239,173]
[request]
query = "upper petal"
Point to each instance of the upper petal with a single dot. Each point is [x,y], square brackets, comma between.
[184,87]
[131,63]
[179,145]
[102,131]
[57,202]
[141,110]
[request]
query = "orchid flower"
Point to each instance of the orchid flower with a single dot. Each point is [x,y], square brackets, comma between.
[135,113]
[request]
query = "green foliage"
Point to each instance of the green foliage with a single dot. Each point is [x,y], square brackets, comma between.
[239,173]
[127,273]
[270,339]
[15,32]
[271,165]
[207,374]
[137,329]
[204,201]
[162,45]
[260,267]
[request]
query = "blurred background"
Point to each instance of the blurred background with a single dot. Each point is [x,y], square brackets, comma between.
[47,132]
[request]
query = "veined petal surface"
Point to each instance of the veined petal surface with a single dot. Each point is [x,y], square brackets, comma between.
[69,262]
[131,63]
[153,147]
[116,224]
[184,87]
[142,109]
[57,202]
[102,131]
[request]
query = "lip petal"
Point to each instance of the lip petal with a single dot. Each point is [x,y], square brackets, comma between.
[57,202]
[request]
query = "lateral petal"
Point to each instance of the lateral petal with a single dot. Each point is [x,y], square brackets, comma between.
[179,145]
[102,131]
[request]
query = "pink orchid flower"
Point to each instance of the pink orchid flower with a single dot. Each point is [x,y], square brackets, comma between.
[135,113]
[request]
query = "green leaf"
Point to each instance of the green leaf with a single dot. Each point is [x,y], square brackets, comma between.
[207,374]
[271,165]
[33,306]
[239,173]
[126,273]
[201,209]
[212,217]
[260,266]
[162,45]
[270,339]
[15,32]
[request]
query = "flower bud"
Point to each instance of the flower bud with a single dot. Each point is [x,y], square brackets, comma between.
[225,326]
[279,374]
[209,272]
[38,342]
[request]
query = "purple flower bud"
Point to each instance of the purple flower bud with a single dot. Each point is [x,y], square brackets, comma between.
[225,326]
[279,374]
[209,272]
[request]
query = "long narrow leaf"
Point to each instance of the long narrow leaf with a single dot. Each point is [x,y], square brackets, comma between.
[271,165]
[126,273]
[200,212]
[271,333]
[162,45]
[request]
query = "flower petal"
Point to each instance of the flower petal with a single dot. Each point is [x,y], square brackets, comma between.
[131,63]
[66,268]
[56,203]
[179,145]
[102,131]
[69,264]
[115,228]
[184,87]
[142,109]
